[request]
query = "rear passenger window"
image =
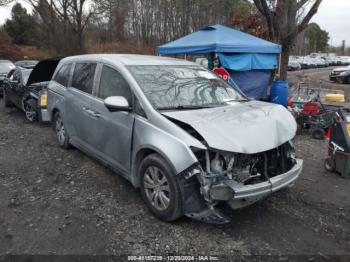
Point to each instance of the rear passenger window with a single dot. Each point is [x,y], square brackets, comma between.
[62,75]
[83,77]
[112,83]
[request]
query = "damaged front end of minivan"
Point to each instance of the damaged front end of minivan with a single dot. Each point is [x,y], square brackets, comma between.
[237,179]
[248,166]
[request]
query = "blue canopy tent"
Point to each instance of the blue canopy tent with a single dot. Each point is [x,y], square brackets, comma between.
[249,59]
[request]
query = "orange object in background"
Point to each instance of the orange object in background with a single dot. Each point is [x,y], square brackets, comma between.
[290,102]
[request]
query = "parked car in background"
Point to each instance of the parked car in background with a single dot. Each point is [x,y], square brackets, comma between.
[180,133]
[345,60]
[310,62]
[293,65]
[301,61]
[27,63]
[26,89]
[5,67]
[343,77]
[337,71]
[203,61]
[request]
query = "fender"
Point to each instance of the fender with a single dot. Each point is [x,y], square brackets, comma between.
[172,149]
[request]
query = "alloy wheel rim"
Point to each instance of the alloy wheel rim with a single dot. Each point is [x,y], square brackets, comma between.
[29,111]
[30,115]
[60,131]
[157,188]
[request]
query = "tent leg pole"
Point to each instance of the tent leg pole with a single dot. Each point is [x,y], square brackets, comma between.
[279,65]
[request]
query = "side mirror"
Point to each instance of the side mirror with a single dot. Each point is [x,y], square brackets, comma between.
[117,103]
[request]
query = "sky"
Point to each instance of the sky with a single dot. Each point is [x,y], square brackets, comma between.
[333,16]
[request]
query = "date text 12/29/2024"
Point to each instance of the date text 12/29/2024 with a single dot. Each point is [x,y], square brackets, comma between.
[173,258]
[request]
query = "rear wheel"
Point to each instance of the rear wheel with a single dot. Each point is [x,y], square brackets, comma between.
[7,101]
[160,189]
[60,130]
[30,109]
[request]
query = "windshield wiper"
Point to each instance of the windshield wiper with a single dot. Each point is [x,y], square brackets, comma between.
[237,100]
[185,107]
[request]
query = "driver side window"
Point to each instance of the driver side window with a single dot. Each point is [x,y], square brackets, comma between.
[112,83]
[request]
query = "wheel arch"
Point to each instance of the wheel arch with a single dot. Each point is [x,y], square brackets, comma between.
[140,155]
[148,138]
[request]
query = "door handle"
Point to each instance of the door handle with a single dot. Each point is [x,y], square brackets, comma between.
[91,112]
[95,114]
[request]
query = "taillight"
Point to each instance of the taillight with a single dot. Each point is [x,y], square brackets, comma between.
[43,99]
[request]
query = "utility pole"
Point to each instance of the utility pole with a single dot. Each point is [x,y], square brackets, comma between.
[343,47]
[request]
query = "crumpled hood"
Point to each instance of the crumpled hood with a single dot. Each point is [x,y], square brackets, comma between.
[243,127]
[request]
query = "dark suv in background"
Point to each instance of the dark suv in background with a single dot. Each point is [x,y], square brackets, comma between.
[27,89]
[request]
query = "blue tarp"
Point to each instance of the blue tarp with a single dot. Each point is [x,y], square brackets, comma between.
[247,62]
[253,83]
[248,59]
[220,39]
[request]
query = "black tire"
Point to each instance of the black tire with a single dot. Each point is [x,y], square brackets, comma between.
[61,133]
[174,209]
[318,133]
[329,164]
[30,109]
[7,101]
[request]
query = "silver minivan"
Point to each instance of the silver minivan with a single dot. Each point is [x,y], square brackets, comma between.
[181,134]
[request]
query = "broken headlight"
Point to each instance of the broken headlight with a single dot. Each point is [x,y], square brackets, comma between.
[290,151]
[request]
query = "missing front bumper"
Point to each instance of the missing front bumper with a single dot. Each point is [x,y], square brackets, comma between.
[236,195]
[244,195]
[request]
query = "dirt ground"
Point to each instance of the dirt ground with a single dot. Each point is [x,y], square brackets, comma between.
[60,202]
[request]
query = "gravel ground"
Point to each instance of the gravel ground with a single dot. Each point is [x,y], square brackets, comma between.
[55,201]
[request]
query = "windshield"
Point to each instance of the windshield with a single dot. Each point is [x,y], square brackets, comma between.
[29,63]
[6,67]
[25,75]
[176,87]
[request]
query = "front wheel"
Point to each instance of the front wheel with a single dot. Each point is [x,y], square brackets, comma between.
[61,133]
[160,189]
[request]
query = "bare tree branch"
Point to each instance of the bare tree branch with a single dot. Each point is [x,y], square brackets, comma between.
[5,2]
[313,10]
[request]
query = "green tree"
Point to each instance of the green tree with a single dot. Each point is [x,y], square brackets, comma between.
[316,39]
[21,26]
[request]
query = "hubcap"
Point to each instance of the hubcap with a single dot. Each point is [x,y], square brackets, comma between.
[157,188]
[60,131]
